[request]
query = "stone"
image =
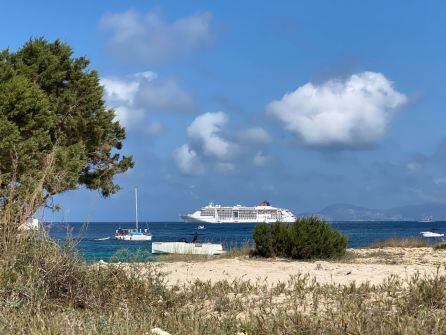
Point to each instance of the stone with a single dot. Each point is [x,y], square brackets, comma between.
[159,331]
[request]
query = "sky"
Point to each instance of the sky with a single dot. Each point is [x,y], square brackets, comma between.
[301,103]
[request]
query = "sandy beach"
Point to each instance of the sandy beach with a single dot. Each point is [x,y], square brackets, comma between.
[360,266]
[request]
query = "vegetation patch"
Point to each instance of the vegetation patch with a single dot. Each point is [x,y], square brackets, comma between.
[440,246]
[401,242]
[49,289]
[305,238]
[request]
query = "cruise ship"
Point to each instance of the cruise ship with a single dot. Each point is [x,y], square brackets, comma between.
[240,214]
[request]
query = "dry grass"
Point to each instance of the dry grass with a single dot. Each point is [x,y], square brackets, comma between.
[399,242]
[50,289]
[440,246]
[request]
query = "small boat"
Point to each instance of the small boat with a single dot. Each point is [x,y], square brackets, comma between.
[431,234]
[427,219]
[134,234]
[184,247]
[200,227]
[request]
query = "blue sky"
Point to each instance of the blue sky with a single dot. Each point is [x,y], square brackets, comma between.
[302,103]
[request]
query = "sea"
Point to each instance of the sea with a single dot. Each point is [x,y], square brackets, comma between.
[95,239]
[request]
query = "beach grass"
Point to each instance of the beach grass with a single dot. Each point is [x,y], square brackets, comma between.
[46,288]
[401,242]
[440,246]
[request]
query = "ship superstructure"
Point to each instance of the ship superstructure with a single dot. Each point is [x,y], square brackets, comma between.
[240,214]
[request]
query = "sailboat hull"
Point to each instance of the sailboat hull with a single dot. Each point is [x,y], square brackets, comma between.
[134,237]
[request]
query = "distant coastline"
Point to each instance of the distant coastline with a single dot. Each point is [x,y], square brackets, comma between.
[349,212]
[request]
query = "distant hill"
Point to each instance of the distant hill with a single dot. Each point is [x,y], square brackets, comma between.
[348,212]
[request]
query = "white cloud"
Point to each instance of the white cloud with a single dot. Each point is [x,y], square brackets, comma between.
[206,147]
[146,38]
[413,167]
[120,90]
[163,95]
[133,96]
[260,159]
[187,160]
[255,135]
[128,116]
[344,114]
[209,148]
[225,167]
[205,130]
[154,128]
[439,181]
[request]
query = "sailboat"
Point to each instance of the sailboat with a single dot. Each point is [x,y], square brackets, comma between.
[134,234]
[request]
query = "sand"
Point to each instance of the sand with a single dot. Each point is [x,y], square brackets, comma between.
[361,265]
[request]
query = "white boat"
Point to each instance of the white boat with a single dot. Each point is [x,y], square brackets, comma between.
[240,214]
[134,234]
[31,224]
[187,248]
[427,219]
[431,234]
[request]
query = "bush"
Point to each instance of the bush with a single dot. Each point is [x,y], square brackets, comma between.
[262,236]
[304,239]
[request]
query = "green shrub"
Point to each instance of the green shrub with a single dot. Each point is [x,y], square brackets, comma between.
[305,238]
[262,236]
[280,238]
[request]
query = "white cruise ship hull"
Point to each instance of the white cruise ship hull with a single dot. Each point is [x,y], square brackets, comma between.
[263,213]
[189,218]
[187,248]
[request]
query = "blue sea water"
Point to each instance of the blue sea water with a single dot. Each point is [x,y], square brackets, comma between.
[359,233]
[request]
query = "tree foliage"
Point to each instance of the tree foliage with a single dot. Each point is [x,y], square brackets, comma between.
[55,131]
[305,238]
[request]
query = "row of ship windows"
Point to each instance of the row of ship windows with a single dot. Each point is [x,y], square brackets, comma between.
[251,214]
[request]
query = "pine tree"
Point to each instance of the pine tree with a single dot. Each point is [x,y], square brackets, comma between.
[56,133]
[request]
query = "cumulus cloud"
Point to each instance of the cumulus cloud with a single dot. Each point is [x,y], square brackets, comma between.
[205,131]
[133,96]
[255,135]
[164,96]
[206,147]
[343,114]
[187,160]
[147,39]
[210,148]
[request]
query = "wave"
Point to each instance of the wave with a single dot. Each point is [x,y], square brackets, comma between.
[102,238]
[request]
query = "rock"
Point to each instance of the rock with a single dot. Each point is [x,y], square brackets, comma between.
[345,272]
[158,331]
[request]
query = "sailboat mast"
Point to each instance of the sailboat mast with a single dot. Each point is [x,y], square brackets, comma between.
[136,207]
